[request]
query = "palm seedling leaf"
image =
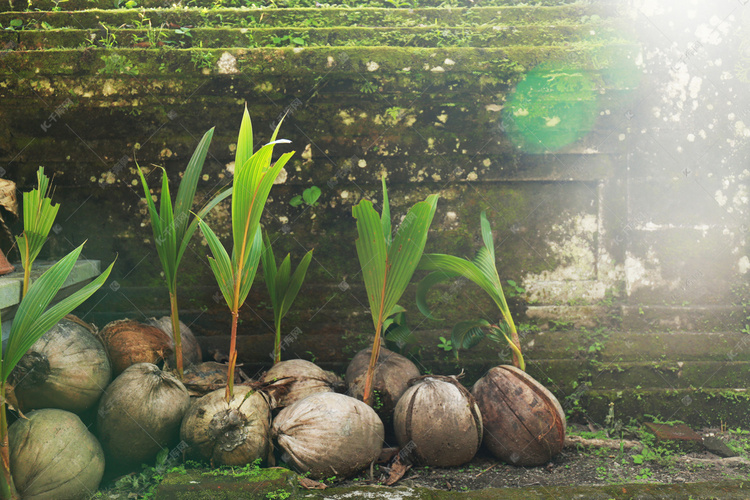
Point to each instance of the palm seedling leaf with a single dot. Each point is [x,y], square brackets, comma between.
[387,266]
[38,217]
[33,318]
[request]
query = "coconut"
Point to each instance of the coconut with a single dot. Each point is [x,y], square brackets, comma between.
[228,433]
[66,368]
[303,377]
[202,378]
[329,434]
[191,350]
[140,414]
[392,374]
[54,456]
[129,342]
[524,423]
[438,422]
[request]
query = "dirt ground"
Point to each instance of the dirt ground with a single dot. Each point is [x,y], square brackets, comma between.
[587,461]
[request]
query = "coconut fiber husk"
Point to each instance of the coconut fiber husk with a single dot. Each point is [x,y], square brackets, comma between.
[234,432]
[524,423]
[303,378]
[140,414]
[66,368]
[191,350]
[391,378]
[129,342]
[53,456]
[438,422]
[329,434]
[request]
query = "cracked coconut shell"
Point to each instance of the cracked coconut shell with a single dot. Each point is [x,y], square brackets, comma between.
[228,433]
[67,368]
[140,414]
[329,434]
[524,423]
[53,456]
[438,422]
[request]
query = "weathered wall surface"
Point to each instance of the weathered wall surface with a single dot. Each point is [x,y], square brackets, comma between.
[607,142]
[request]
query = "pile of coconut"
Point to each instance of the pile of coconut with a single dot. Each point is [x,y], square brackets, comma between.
[64,382]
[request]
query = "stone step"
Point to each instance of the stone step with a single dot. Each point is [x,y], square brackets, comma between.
[170,18]
[480,68]
[136,5]
[311,37]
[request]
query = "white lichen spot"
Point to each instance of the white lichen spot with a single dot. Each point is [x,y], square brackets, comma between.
[443,117]
[521,112]
[233,147]
[281,178]
[362,163]
[307,153]
[108,88]
[720,198]
[346,117]
[344,194]
[449,62]
[329,62]
[437,69]
[165,153]
[552,122]
[621,137]
[494,108]
[695,86]
[744,264]
[230,167]
[691,138]
[227,64]
[472,176]
[406,69]
[373,66]
[486,162]
[297,50]
[283,219]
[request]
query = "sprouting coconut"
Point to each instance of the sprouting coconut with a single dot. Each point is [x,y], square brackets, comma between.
[228,433]
[191,350]
[438,422]
[524,423]
[53,456]
[391,378]
[67,368]
[304,378]
[140,414]
[329,434]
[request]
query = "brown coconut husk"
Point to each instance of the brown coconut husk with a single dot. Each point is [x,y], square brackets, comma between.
[53,456]
[228,433]
[391,378]
[140,414]
[303,378]
[524,423]
[329,434]
[129,342]
[438,422]
[202,378]
[67,368]
[191,350]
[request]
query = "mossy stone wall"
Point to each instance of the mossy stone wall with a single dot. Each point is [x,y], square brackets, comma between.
[636,221]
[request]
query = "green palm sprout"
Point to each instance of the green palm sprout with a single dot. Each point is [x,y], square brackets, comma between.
[283,287]
[253,178]
[483,272]
[388,263]
[173,228]
[32,320]
[38,217]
